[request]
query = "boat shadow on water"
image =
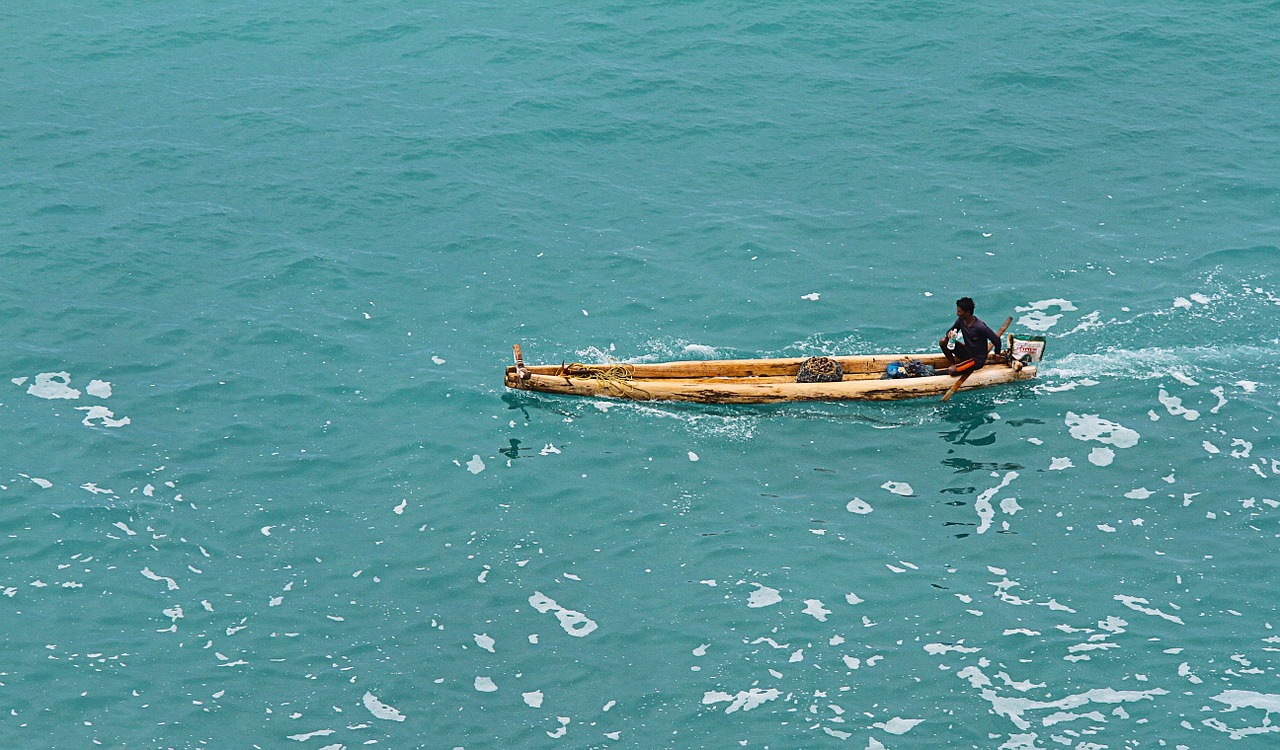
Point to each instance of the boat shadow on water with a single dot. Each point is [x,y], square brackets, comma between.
[965,416]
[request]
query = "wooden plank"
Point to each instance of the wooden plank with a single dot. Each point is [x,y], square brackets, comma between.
[862,364]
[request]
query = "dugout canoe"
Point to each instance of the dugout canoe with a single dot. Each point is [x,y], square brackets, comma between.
[749,381]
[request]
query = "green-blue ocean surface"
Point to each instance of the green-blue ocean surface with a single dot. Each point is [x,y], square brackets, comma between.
[263,264]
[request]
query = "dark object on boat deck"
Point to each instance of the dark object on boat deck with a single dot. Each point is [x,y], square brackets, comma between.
[912,368]
[820,370]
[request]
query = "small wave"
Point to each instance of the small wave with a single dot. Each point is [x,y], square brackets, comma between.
[665,350]
[594,355]
[825,345]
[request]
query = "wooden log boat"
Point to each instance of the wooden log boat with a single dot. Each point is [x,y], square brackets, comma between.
[750,381]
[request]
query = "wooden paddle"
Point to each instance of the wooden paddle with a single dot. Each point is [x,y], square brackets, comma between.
[960,380]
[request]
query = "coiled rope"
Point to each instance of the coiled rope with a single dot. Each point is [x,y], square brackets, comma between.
[616,376]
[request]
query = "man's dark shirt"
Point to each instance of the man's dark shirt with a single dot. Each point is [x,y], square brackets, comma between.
[976,337]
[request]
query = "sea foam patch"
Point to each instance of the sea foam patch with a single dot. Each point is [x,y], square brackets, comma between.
[1174,406]
[859,506]
[381,710]
[101,416]
[763,596]
[815,609]
[1093,427]
[1037,319]
[98,388]
[53,385]
[57,386]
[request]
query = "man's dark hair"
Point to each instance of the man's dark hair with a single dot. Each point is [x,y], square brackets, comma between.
[966,304]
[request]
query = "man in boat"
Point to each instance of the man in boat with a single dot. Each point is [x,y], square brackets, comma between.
[965,344]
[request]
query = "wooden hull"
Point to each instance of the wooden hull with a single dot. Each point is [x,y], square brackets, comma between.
[751,381]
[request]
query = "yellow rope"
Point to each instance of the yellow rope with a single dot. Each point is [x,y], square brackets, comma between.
[614,375]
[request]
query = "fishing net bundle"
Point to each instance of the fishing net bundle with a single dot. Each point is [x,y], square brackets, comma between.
[820,370]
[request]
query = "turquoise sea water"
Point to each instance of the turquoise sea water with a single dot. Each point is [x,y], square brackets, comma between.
[263,264]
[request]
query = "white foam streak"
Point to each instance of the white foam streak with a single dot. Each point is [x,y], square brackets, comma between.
[303,737]
[1137,605]
[574,623]
[1237,699]
[172,584]
[897,725]
[983,502]
[1014,708]
[744,700]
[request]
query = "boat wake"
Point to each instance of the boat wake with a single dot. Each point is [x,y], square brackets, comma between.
[1182,363]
